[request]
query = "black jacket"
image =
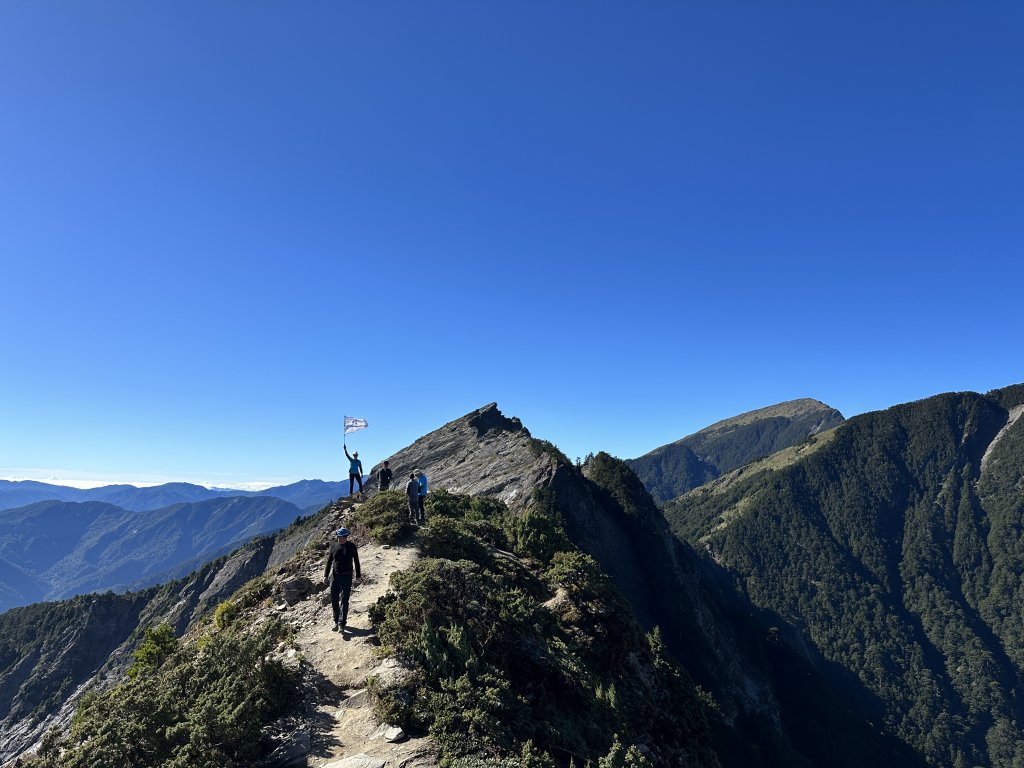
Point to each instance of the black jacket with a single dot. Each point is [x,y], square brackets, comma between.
[384,478]
[341,557]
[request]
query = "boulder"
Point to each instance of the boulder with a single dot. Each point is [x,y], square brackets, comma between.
[390,733]
[291,751]
[297,589]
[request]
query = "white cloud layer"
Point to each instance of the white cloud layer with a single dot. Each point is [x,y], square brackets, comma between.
[75,479]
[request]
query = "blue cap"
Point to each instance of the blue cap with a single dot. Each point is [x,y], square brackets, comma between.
[342,532]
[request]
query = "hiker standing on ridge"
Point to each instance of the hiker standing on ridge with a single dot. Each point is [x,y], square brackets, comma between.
[355,471]
[383,477]
[422,479]
[341,558]
[412,490]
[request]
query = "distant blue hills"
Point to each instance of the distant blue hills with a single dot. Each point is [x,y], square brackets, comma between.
[304,494]
[56,541]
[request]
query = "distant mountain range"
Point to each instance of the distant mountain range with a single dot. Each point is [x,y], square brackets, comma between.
[55,549]
[674,469]
[57,541]
[304,494]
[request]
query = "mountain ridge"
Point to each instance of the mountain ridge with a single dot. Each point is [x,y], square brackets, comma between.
[68,548]
[21,493]
[675,468]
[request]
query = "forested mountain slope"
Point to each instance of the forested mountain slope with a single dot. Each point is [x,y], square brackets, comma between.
[673,469]
[896,546]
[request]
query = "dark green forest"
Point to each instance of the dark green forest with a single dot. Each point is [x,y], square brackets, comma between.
[899,557]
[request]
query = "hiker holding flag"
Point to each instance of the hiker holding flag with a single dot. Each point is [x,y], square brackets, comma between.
[355,467]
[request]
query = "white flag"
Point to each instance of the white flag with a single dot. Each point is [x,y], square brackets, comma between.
[352,424]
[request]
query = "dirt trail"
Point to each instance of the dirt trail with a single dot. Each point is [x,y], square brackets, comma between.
[345,725]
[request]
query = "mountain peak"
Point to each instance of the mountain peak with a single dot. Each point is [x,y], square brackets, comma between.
[678,467]
[489,417]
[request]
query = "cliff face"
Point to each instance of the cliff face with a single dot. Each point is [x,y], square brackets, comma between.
[482,453]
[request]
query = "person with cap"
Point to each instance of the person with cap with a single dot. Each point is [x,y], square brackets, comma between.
[341,559]
[412,490]
[384,477]
[422,479]
[355,471]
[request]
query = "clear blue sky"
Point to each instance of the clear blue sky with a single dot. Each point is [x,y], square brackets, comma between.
[225,225]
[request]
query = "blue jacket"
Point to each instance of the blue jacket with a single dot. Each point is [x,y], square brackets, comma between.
[423,484]
[355,466]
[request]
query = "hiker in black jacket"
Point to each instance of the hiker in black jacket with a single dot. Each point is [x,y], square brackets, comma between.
[384,477]
[412,491]
[341,558]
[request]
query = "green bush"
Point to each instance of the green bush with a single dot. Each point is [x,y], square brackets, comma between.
[537,535]
[453,540]
[384,518]
[442,503]
[225,614]
[577,572]
[158,645]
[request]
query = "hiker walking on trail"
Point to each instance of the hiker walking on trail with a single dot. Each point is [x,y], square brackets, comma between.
[422,479]
[384,477]
[355,470]
[412,490]
[343,555]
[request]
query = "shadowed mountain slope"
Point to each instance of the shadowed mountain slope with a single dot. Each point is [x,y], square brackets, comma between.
[895,547]
[673,469]
[53,549]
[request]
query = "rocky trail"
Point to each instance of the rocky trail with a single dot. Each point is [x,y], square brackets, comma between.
[340,730]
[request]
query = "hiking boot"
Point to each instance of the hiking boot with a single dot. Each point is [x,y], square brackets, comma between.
[336,627]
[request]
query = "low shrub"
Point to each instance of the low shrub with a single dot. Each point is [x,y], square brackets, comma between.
[384,518]
[453,540]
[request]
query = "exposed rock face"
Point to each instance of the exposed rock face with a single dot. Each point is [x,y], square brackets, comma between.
[483,453]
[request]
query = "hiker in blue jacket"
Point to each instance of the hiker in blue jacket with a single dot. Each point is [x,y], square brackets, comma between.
[355,471]
[422,479]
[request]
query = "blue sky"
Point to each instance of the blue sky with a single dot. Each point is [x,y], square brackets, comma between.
[226,225]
